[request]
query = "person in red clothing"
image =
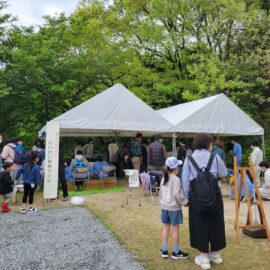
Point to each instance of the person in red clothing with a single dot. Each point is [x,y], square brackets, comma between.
[6,183]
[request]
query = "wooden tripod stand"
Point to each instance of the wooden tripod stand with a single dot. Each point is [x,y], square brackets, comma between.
[243,180]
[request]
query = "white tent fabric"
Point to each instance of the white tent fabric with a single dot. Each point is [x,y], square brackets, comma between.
[216,115]
[115,111]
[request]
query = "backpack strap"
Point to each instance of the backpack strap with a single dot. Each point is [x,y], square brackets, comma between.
[195,165]
[210,162]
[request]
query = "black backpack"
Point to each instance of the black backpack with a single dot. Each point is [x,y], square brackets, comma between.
[204,188]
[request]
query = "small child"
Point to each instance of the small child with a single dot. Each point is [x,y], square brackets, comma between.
[6,183]
[31,178]
[171,200]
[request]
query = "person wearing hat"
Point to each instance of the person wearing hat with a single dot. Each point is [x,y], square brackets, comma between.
[156,154]
[171,201]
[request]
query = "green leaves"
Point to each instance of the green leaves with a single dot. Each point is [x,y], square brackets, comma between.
[166,52]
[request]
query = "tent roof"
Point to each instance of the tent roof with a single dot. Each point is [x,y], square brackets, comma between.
[216,115]
[115,111]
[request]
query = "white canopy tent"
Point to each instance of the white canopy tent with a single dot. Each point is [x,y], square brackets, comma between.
[114,112]
[217,115]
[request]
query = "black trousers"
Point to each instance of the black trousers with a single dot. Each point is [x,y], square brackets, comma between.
[117,168]
[207,231]
[28,191]
[63,180]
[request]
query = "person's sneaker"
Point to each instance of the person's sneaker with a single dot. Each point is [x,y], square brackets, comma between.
[32,210]
[180,255]
[203,262]
[215,257]
[64,199]
[22,211]
[164,254]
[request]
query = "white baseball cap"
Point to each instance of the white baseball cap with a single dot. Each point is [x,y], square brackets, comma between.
[172,162]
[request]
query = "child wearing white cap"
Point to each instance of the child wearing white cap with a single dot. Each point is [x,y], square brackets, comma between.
[171,201]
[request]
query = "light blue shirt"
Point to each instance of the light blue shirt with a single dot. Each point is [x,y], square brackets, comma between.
[237,151]
[201,157]
[220,152]
[243,191]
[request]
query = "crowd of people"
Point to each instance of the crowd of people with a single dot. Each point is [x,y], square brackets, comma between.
[18,166]
[190,180]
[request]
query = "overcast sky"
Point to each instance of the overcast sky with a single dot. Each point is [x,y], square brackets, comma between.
[30,12]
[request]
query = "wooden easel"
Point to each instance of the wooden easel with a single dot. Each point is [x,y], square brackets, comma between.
[251,225]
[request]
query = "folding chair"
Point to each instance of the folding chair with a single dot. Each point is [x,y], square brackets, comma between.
[153,186]
[110,171]
[80,174]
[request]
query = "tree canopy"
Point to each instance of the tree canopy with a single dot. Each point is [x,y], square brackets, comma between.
[166,52]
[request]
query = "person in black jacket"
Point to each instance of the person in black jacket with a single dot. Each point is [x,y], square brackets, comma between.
[6,183]
[182,151]
[61,172]
[181,155]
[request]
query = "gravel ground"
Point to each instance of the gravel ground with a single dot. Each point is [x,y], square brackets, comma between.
[68,238]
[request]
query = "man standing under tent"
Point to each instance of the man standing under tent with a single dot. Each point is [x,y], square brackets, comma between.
[61,173]
[88,150]
[257,158]
[136,151]
[218,150]
[182,151]
[237,151]
[156,154]
[114,156]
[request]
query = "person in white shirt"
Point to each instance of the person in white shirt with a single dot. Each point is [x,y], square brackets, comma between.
[88,150]
[265,189]
[171,201]
[114,156]
[257,158]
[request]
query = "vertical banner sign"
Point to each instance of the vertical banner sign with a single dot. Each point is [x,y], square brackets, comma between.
[51,160]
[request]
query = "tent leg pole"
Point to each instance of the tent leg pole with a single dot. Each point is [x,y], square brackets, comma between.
[263,147]
[174,144]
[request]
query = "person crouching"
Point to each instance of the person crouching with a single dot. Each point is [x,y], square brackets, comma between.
[6,183]
[31,177]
